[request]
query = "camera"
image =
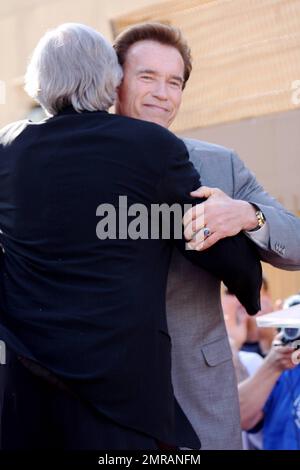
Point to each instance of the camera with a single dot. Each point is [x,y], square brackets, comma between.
[290,334]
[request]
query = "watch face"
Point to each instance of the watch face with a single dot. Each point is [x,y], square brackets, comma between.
[260,218]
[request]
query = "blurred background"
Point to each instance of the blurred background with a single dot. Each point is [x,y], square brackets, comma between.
[244,91]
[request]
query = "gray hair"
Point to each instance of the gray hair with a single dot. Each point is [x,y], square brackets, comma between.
[73,65]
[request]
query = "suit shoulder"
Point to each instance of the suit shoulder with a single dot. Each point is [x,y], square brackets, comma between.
[207,148]
[152,132]
[10,132]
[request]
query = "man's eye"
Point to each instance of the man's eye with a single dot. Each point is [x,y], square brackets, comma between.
[175,84]
[146,77]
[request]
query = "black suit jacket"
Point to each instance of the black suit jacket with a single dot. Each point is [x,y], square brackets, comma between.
[93,311]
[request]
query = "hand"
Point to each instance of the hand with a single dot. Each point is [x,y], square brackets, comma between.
[224,216]
[280,356]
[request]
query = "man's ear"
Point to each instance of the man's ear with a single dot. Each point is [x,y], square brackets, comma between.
[119,87]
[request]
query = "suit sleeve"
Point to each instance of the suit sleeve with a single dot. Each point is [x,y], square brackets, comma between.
[179,177]
[284,227]
[233,260]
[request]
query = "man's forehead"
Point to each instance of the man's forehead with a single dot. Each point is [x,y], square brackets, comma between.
[147,44]
[148,50]
[146,54]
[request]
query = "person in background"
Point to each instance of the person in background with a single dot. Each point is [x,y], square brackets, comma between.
[269,393]
[242,328]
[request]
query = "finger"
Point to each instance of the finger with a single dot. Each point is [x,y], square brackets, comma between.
[195,213]
[188,217]
[295,357]
[194,227]
[207,243]
[287,349]
[203,191]
[196,240]
[189,231]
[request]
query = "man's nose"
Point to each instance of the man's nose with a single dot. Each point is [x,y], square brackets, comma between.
[160,90]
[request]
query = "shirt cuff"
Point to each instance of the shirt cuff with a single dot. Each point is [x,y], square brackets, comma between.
[261,236]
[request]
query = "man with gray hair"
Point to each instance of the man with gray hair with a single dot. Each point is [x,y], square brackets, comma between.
[88,350]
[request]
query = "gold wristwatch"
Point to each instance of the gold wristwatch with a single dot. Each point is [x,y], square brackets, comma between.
[261,220]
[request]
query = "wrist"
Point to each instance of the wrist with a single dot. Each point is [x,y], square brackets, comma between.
[249,216]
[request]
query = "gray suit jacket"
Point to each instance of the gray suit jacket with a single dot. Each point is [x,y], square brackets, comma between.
[203,374]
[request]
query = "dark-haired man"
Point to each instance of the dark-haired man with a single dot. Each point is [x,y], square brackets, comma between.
[157,63]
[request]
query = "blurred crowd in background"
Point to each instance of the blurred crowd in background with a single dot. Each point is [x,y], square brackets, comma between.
[268,374]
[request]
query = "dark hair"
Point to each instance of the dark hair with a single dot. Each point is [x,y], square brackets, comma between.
[162,33]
